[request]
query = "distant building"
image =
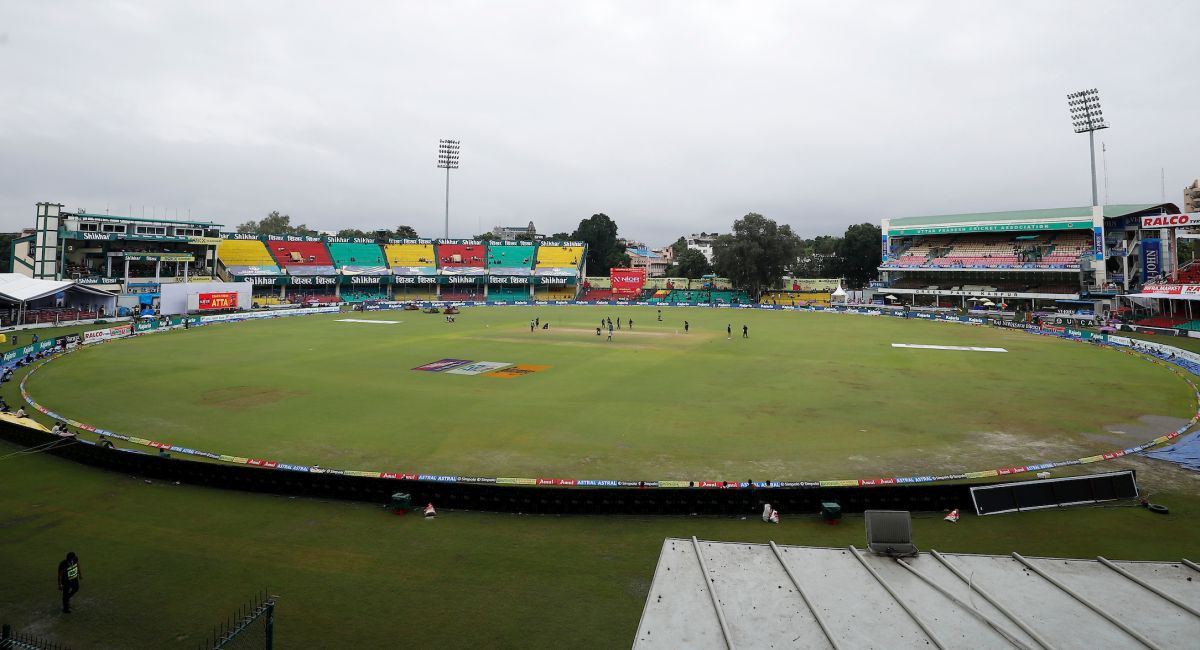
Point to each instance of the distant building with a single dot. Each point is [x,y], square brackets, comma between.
[703,243]
[654,263]
[510,233]
[1191,197]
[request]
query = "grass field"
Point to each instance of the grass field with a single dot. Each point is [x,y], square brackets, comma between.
[807,396]
[163,562]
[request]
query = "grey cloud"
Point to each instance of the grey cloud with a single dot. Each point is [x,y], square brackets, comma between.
[671,117]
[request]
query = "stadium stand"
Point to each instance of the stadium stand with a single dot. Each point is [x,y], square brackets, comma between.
[407,294]
[353,258]
[463,295]
[512,257]
[559,257]
[364,295]
[1189,274]
[555,293]
[1166,322]
[246,257]
[709,297]
[592,295]
[498,293]
[308,298]
[303,257]
[451,256]
[413,255]
[796,298]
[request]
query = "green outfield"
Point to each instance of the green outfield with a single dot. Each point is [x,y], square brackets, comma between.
[806,396]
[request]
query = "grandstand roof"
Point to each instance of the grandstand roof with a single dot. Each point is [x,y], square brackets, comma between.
[22,288]
[726,595]
[144,219]
[1046,214]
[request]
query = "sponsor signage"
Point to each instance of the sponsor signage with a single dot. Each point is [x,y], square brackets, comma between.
[997,227]
[442,364]
[1173,289]
[222,300]
[884,253]
[204,241]
[365,279]
[99,280]
[313,280]
[1098,243]
[1151,257]
[627,282]
[508,279]
[519,370]
[414,279]
[478,367]
[349,240]
[161,257]
[1171,220]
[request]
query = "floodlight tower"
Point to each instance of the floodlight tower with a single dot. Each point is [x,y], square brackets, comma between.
[448,159]
[1087,117]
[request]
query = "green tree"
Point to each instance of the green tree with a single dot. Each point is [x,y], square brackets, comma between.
[275,224]
[486,236]
[404,232]
[755,256]
[599,232]
[858,252]
[678,248]
[691,263]
[355,232]
[560,236]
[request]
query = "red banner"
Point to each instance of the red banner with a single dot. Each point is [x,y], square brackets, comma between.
[627,282]
[227,300]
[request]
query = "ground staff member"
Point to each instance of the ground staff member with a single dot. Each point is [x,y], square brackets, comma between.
[68,580]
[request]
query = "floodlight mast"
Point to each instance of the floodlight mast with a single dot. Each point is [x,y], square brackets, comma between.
[1087,117]
[448,159]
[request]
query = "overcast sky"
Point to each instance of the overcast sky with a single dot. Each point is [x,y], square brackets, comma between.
[670,117]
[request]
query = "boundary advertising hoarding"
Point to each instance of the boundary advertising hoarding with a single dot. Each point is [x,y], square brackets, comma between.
[627,282]
[211,301]
[1157,221]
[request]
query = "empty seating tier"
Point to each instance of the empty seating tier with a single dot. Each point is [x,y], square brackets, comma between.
[356,255]
[410,255]
[244,252]
[508,294]
[516,257]
[451,256]
[299,253]
[559,257]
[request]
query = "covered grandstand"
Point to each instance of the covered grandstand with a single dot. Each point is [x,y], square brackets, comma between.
[340,269]
[1059,258]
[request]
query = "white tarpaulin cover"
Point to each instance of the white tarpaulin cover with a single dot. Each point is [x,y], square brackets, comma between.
[21,288]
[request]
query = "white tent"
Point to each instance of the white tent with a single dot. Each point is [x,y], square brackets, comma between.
[22,289]
[838,295]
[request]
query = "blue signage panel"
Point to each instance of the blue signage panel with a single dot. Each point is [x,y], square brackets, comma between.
[1151,258]
[1098,243]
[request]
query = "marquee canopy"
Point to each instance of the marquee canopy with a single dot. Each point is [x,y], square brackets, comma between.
[15,287]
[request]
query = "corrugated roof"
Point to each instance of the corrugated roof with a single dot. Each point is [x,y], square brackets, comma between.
[111,217]
[739,595]
[1024,215]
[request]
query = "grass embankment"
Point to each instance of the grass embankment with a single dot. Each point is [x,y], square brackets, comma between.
[162,563]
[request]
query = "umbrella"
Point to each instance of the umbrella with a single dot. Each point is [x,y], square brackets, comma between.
[890,297]
[987,302]
[973,299]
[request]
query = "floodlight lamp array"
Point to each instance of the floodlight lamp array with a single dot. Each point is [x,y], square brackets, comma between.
[1085,111]
[448,154]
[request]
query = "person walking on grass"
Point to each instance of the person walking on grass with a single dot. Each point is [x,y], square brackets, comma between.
[685,327]
[69,576]
[745,332]
[729,330]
